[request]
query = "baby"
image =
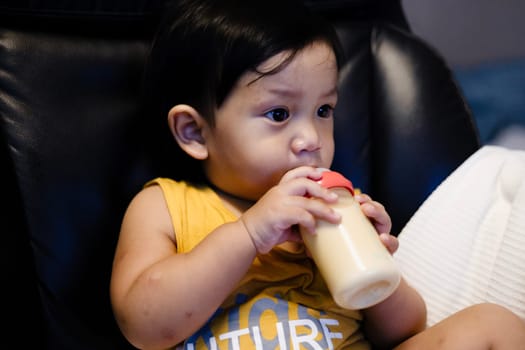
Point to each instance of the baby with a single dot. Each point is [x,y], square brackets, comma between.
[213,259]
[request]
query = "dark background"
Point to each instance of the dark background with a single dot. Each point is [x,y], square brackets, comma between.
[484,43]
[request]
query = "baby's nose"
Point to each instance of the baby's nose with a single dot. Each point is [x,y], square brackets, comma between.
[307,140]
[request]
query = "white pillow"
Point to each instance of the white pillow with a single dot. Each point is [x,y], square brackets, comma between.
[466,243]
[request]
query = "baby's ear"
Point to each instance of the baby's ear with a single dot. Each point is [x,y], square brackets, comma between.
[186,125]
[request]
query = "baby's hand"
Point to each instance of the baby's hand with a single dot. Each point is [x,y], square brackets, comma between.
[377,214]
[275,217]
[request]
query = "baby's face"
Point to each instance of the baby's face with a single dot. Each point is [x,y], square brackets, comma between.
[274,123]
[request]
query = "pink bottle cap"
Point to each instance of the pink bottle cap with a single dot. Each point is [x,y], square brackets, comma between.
[333,179]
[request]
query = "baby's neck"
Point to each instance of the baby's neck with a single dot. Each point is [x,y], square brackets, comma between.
[235,204]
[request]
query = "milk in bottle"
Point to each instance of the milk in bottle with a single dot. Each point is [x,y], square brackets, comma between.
[357,268]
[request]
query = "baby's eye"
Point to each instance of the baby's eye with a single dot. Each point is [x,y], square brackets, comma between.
[278,114]
[325,111]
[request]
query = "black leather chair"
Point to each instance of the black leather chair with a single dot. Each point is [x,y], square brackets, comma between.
[74,152]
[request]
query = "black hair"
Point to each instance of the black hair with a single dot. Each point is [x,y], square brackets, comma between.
[202,48]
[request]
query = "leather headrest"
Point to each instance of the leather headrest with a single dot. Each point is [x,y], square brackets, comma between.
[81,15]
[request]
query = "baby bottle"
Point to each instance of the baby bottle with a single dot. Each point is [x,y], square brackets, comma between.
[357,268]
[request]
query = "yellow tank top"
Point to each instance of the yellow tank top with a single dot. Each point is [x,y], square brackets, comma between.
[281,303]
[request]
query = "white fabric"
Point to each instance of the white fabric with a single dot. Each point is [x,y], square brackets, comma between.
[466,243]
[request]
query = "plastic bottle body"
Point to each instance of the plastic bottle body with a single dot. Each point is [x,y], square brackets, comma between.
[357,268]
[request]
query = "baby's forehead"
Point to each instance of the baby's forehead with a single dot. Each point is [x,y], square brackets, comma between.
[287,86]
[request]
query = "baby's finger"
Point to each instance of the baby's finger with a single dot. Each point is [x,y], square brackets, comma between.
[362,198]
[302,172]
[390,242]
[303,187]
[376,212]
[316,210]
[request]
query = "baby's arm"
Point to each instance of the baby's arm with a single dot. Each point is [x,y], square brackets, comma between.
[397,318]
[160,297]
[401,315]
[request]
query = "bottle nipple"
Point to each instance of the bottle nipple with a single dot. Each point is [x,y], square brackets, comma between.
[331,179]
